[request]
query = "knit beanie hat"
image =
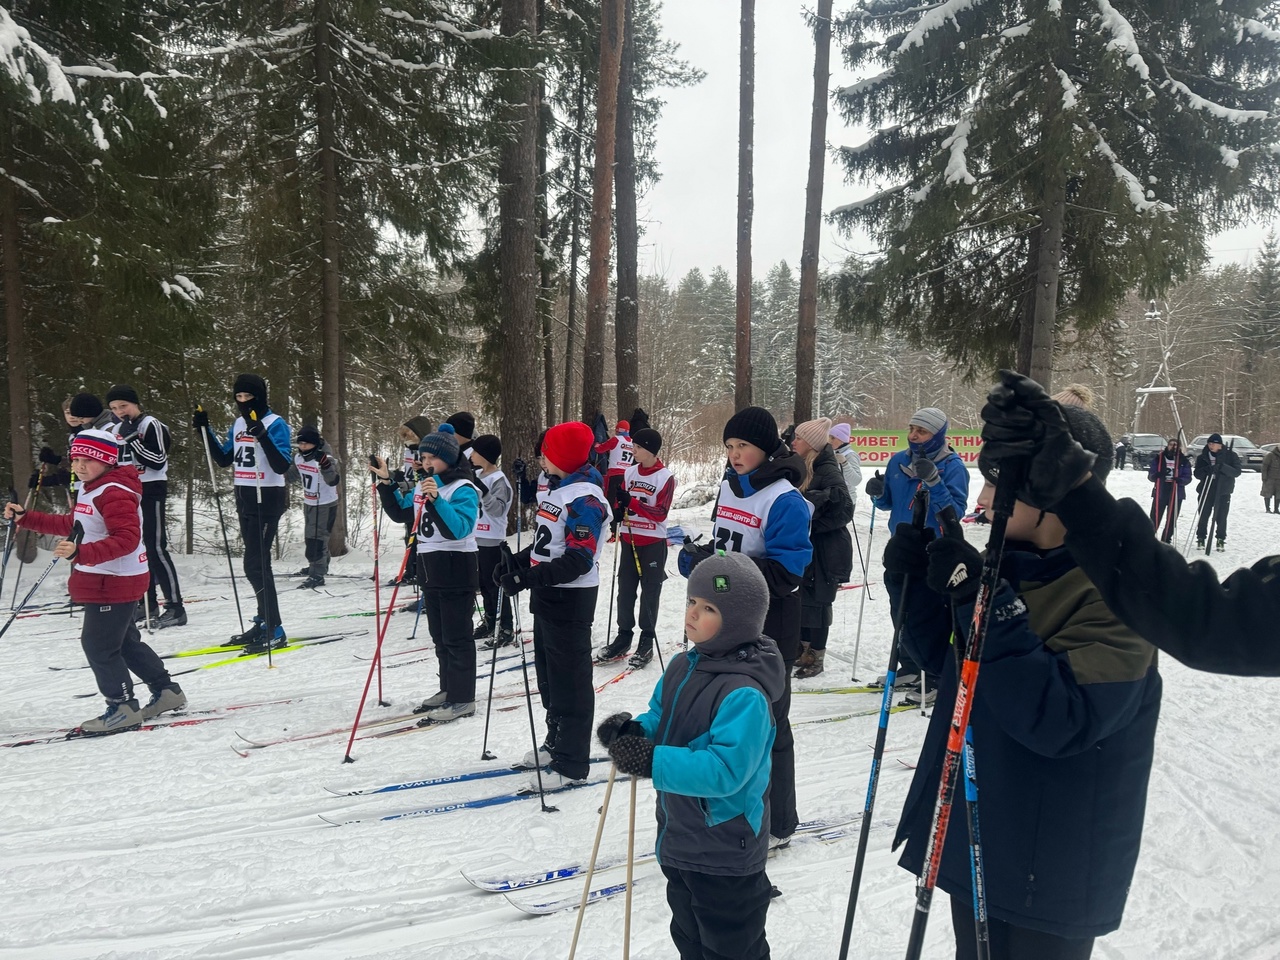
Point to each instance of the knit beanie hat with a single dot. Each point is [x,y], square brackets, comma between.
[463,423]
[754,425]
[567,445]
[310,435]
[488,446]
[85,405]
[929,418]
[443,444]
[1213,437]
[96,445]
[420,426]
[622,426]
[734,583]
[815,432]
[1087,430]
[840,432]
[649,439]
[123,392]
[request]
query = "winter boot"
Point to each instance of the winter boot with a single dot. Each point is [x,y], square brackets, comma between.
[1200,541]
[164,700]
[121,715]
[173,616]
[484,630]
[448,711]
[1222,545]
[505,638]
[617,650]
[304,572]
[912,699]
[529,761]
[140,613]
[433,701]
[278,640]
[805,658]
[814,667]
[644,653]
[250,636]
[311,583]
[552,780]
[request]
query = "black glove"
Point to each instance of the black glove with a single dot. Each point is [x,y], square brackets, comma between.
[34,481]
[618,725]
[955,568]
[245,409]
[128,429]
[1020,420]
[257,429]
[518,466]
[48,456]
[906,553]
[691,554]
[875,486]
[633,755]
[624,501]
[200,420]
[513,581]
[926,471]
[324,458]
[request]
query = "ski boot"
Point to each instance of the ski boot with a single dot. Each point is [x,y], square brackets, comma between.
[121,715]
[505,638]
[278,640]
[437,699]
[164,700]
[1222,545]
[615,651]
[484,630]
[250,636]
[1200,542]
[447,712]
[311,583]
[173,616]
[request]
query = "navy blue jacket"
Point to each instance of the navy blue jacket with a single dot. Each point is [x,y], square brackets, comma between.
[1064,720]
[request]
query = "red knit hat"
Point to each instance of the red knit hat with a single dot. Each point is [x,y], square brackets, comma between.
[623,426]
[96,445]
[567,445]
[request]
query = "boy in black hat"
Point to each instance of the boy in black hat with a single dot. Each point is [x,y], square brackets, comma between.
[258,446]
[145,443]
[491,533]
[315,467]
[644,501]
[1216,468]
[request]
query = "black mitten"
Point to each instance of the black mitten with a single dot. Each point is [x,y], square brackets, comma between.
[618,725]
[633,755]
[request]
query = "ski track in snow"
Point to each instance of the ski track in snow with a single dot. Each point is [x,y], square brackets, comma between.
[166,844]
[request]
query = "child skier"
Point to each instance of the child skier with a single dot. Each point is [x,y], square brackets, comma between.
[315,467]
[1063,723]
[258,445]
[705,740]
[561,570]
[620,450]
[491,533]
[447,504]
[761,513]
[144,443]
[647,491]
[108,576]
[1169,473]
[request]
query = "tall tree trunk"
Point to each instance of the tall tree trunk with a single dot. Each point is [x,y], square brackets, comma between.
[11,268]
[1048,268]
[612,17]
[746,203]
[546,292]
[626,318]
[807,324]
[517,258]
[331,268]
[1027,305]
[575,247]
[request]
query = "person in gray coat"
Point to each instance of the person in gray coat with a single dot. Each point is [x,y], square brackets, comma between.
[316,468]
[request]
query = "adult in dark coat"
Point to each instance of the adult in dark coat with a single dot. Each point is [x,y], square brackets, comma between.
[832,562]
[1216,468]
[1169,473]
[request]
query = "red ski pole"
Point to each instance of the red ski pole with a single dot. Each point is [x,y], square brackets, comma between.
[377,575]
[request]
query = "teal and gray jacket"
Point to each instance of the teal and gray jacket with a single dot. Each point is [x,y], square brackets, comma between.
[711,720]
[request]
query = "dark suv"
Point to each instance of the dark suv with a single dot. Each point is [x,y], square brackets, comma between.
[1143,448]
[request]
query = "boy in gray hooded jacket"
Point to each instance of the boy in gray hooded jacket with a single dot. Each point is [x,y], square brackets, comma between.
[706,740]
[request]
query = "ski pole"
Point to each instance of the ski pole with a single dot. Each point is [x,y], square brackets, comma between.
[8,548]
[862,561]
[919,514]
[862,602]
[528,696]
[382,635]
[77,534]
[613,582]
[631,865]
[26,546]
[267,627]
[1007,484]
[591,864]
[488,708]
[222,521]
[377,575]
[977,870]
[635,555]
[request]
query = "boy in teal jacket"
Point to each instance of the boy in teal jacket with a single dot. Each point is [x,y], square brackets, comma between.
[706,740]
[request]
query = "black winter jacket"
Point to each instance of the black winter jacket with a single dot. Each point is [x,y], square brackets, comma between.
[1224,467]
[832,562]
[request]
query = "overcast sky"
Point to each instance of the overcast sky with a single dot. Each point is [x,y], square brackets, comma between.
[690,214]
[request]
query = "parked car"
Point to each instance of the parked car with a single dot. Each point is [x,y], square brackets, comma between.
[1143,448]
[1268,447]
[1251,455]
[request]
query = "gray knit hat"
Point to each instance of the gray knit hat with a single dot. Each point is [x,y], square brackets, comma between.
[734,583]
[930,418]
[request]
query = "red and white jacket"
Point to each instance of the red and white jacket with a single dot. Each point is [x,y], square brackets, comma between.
[620,450]
[652,490]
[117,501]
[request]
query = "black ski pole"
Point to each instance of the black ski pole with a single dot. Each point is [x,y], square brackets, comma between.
[528,699]
[222,521]
[1007,484]
[268,628]
[8,542]
[493,669]
[919,513]
[77,534]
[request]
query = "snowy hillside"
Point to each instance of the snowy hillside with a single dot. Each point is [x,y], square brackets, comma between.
[169,844]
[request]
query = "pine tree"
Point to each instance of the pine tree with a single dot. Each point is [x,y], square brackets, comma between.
[1043,159]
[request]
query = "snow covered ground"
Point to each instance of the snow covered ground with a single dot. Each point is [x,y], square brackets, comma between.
[168,844]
